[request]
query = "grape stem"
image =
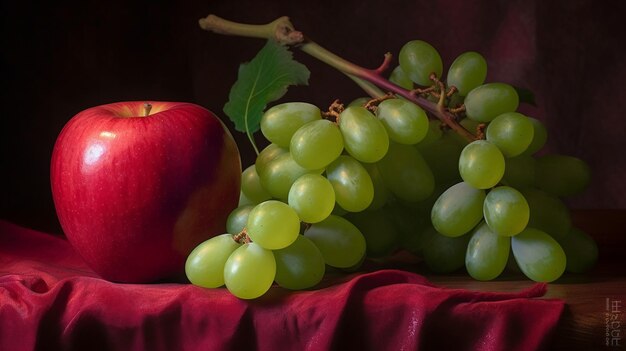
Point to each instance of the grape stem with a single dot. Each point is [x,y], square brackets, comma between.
[334,111]
[372,105]
[480,130]
[242,237]
[442,89]
[370,80]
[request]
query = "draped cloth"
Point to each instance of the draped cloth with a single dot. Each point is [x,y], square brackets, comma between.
[49,299]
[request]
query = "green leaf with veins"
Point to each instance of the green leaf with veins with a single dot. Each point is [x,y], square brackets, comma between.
[261,81]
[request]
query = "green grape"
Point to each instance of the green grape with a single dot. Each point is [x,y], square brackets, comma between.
[299,265]
[359,101]
[562,175]
[364,136]
[413,243]
[425,206]
[433,134]
[519,171]
[487,101]
[406,174]
[581,251]
[506,211]
[205,264]
[398,77]
[538,255]
[540,135]
[316,144]
[458,210]
[380,234]
[468,71]
[444,254]
[442,156]
[405,122]
[312,197]
[471,126]
[547,213]
[273,225]
[250,271]
[251,186]
[280,122]
[432,98]
[511,132]
[418,60]
[409,224]
[243,200]
[487,253]
[511,264]
[266,156]
[481,164]
[351,269]
[338,211]
[456,100]
[238,219]
[354,190]
[278,175]
[341,243]
[381,193]
[407,221]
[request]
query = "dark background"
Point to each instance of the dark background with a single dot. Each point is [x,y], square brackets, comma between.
[59,58]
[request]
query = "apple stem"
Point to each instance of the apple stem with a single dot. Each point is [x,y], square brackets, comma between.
[146,109]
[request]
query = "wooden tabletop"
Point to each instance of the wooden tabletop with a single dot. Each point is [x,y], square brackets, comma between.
[595,301]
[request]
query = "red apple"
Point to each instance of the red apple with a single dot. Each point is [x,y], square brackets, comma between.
[137,189]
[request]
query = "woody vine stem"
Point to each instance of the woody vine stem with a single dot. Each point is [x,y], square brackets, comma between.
[370,80]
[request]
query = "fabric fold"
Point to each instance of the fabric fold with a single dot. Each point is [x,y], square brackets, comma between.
[49,299]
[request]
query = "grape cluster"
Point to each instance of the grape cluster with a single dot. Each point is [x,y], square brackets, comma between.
[333,188]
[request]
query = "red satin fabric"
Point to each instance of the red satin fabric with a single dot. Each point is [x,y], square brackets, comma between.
[50,300]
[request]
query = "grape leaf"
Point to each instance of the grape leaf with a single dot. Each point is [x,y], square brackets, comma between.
[262,80]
